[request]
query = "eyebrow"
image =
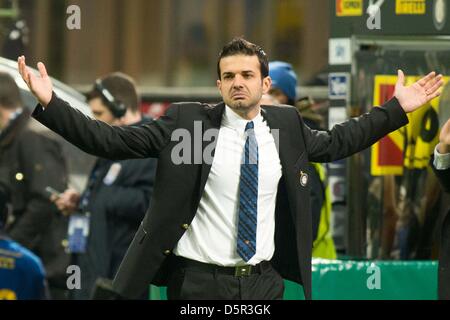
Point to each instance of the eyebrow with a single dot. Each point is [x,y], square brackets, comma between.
[229,73]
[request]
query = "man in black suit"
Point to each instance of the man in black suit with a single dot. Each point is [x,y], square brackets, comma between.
[441,166]
[230,213]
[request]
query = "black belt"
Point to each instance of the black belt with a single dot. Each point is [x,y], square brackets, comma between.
[238,271]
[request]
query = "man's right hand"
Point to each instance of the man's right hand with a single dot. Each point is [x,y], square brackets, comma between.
[41,86]
[67,202]
[444,139]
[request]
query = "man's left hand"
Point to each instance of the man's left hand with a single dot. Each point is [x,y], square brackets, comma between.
[419,93]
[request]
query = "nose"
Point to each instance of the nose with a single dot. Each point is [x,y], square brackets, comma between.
[238,82]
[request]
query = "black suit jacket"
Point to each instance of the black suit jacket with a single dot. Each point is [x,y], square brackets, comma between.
[444,256]
[178,188]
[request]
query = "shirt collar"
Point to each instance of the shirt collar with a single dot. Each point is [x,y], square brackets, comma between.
[232,120]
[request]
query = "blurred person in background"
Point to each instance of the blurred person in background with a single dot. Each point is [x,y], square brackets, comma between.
[29,163]
[117,194]
[22,275]
[441,166]
[284,90]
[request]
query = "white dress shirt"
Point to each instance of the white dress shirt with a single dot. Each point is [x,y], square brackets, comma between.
[212,236]
[441,161]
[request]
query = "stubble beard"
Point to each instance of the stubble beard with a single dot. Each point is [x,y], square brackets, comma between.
[243,106]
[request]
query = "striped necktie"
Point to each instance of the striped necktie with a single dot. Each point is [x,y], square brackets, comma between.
[248,196]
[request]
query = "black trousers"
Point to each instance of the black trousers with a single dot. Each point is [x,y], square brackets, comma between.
[192,280]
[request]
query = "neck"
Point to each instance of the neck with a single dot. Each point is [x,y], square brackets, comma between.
[248,113]
[5,115]
[131,118]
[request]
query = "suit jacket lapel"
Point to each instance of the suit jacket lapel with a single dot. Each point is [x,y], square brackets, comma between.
[278,131]
[215,118]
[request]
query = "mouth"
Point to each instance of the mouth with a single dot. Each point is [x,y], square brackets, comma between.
[239,96]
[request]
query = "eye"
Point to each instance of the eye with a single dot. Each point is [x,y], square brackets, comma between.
[228,76]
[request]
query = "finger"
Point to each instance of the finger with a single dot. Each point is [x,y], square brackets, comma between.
[26,77]
[447,124]
[23,70]
[427,78]
[436,87]
[21,64]
[401,77]
[30,76]
[60,206]
[23,67]
[42,70]
[433,82]
[434,95]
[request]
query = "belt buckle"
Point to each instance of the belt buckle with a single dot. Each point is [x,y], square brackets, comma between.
[243,271]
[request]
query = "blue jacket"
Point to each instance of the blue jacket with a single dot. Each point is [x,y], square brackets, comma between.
[22,275]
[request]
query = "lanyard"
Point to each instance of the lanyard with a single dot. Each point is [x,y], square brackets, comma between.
[93,178]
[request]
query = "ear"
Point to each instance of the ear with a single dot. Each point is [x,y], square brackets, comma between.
[267,84]
[219,86]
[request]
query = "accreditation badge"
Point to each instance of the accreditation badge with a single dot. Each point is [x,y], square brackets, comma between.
[78,232]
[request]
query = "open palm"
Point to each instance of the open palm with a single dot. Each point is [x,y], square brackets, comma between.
[419,93]
[41,86]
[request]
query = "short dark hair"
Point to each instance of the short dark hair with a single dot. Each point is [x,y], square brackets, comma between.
[122,87]
[9,92]
[241,46]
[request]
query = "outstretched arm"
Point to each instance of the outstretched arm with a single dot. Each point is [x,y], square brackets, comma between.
[357,134]
[91,136]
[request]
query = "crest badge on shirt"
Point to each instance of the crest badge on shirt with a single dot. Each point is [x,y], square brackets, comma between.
[112,174]
[303,178]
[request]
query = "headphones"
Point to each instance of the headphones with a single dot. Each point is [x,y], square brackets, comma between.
[117,108]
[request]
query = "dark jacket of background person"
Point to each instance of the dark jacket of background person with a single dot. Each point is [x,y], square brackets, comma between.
[444,257]
[29,162]
[116,210]
[178,188]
